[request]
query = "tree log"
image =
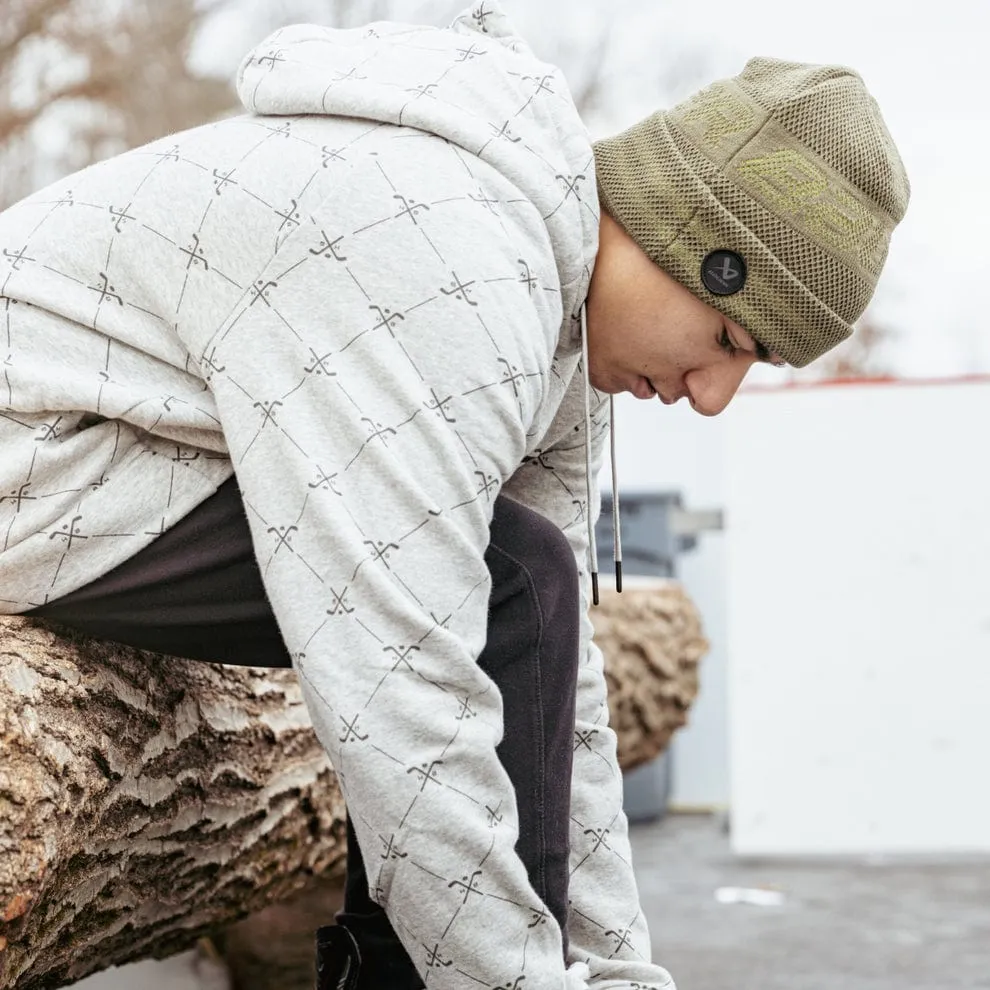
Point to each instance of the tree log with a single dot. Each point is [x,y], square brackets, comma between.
[147,800]
[144,800]
[652,641]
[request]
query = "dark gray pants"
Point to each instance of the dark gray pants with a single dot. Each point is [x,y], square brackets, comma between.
[197,592]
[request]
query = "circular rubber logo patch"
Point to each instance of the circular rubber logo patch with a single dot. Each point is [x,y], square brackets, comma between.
[723,272]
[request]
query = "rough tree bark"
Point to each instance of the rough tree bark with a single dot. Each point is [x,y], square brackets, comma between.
[146,800]
[652,641]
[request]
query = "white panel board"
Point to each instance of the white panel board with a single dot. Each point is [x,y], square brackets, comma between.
[858,533]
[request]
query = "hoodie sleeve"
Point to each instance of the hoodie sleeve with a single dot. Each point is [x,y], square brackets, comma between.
[375,385]
[606,927]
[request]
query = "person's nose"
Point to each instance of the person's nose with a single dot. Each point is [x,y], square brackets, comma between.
[711,389]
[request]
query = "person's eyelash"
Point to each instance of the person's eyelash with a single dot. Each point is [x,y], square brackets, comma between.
[725,342]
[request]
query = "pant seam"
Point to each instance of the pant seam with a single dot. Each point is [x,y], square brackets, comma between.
[534,598]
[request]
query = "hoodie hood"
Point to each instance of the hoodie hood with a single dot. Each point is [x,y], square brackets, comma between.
[476,84]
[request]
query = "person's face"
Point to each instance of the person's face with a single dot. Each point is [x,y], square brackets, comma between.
[650,336]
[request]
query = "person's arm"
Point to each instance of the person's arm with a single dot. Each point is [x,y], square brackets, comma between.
[371,418]
[606,926]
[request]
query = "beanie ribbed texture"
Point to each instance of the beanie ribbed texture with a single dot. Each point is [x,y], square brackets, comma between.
[788,165]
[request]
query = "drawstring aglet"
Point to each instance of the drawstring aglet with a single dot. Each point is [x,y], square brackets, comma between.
[594,587]
[618,575]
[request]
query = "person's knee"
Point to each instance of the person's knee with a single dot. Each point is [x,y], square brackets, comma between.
[542,549]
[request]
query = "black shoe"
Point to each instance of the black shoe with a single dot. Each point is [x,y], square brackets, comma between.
[338,959]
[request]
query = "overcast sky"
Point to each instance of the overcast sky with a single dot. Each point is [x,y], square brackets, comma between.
[924,64]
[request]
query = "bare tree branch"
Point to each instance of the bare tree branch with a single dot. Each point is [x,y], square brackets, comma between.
[36,14]
[134,74]
[94,87]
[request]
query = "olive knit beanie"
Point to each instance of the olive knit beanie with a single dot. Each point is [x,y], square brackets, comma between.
[771,196]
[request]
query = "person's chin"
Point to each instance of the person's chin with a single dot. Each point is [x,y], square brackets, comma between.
[609,389]
[606,383]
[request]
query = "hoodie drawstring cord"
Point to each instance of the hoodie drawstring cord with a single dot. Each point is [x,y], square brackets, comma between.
[592,545]
[616,532]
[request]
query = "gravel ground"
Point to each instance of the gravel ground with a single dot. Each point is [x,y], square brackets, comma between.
[844,924]
[849,924]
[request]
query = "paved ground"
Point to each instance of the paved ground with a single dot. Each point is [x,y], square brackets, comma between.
[844,924]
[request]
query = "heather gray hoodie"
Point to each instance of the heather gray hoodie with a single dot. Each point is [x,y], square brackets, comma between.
[362,296]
